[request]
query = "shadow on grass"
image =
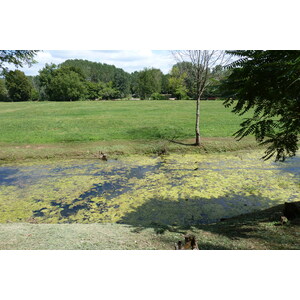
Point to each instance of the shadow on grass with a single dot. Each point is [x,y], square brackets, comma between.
[240,226]
[257,223]
[164,214]
[212,246]
[261,228]
[164,133]
[182,143]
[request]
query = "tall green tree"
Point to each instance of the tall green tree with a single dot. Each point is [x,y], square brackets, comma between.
[165,88]
[98,72]
[18,85]
[177,83]
[149,82]
[16,57]
[134,87]
[44,80]
[121,83]
[268,83]
[186,69]
[64,83]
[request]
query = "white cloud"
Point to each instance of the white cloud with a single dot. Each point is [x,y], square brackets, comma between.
[129,60]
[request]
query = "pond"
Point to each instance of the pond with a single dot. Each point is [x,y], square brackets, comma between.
[139,190]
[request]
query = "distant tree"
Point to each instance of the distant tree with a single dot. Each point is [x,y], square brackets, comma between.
[98,72]
[18,85]
[36,93]
[44,80]
[268,82]
[201,61]
[165,88]
[149,82]
[121,83]
[108,91]
[34,96]
[100,91]
[93,90]
[16,57]
[186,69]
[3,91]
[92,71]
[177,84]
[216,76]
[134,83]
[64,83]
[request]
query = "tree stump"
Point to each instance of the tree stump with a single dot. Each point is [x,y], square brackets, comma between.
[283,220]
[190,243]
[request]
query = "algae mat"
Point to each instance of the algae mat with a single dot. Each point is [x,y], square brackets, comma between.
[136,190]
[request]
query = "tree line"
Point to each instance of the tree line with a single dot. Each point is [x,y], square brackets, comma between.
[80,79]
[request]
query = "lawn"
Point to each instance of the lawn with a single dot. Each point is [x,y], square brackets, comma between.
[59,122]
[39,130]
[259,230]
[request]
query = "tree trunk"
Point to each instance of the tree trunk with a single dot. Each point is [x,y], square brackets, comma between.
[197,129]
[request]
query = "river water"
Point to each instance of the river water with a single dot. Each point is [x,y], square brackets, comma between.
[142,191]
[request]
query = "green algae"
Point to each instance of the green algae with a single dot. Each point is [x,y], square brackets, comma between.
[138,190]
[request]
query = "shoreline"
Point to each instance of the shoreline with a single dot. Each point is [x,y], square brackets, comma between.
[260,230]
[119,148]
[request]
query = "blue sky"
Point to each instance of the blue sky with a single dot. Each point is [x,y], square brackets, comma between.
[128,60]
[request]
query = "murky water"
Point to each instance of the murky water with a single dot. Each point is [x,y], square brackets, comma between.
[176,189]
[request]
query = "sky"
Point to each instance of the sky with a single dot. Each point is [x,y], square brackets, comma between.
[128,60]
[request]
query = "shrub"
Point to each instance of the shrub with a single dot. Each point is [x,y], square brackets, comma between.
[34,95]
[158,96]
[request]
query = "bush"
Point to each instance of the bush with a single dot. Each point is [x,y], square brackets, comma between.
[158,96]
[34,95]
[100,91]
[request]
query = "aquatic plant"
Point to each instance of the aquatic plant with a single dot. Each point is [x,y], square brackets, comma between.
[138,190]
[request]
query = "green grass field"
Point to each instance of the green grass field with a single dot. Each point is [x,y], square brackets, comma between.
[57,122]
[39,130]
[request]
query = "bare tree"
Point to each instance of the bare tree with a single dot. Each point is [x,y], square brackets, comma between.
[202,61]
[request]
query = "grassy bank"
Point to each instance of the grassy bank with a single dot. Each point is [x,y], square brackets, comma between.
[15,152]
[260,230]
[61,122]
[82,129]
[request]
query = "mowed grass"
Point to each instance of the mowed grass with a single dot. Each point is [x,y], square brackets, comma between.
[63,122]
[259,230]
